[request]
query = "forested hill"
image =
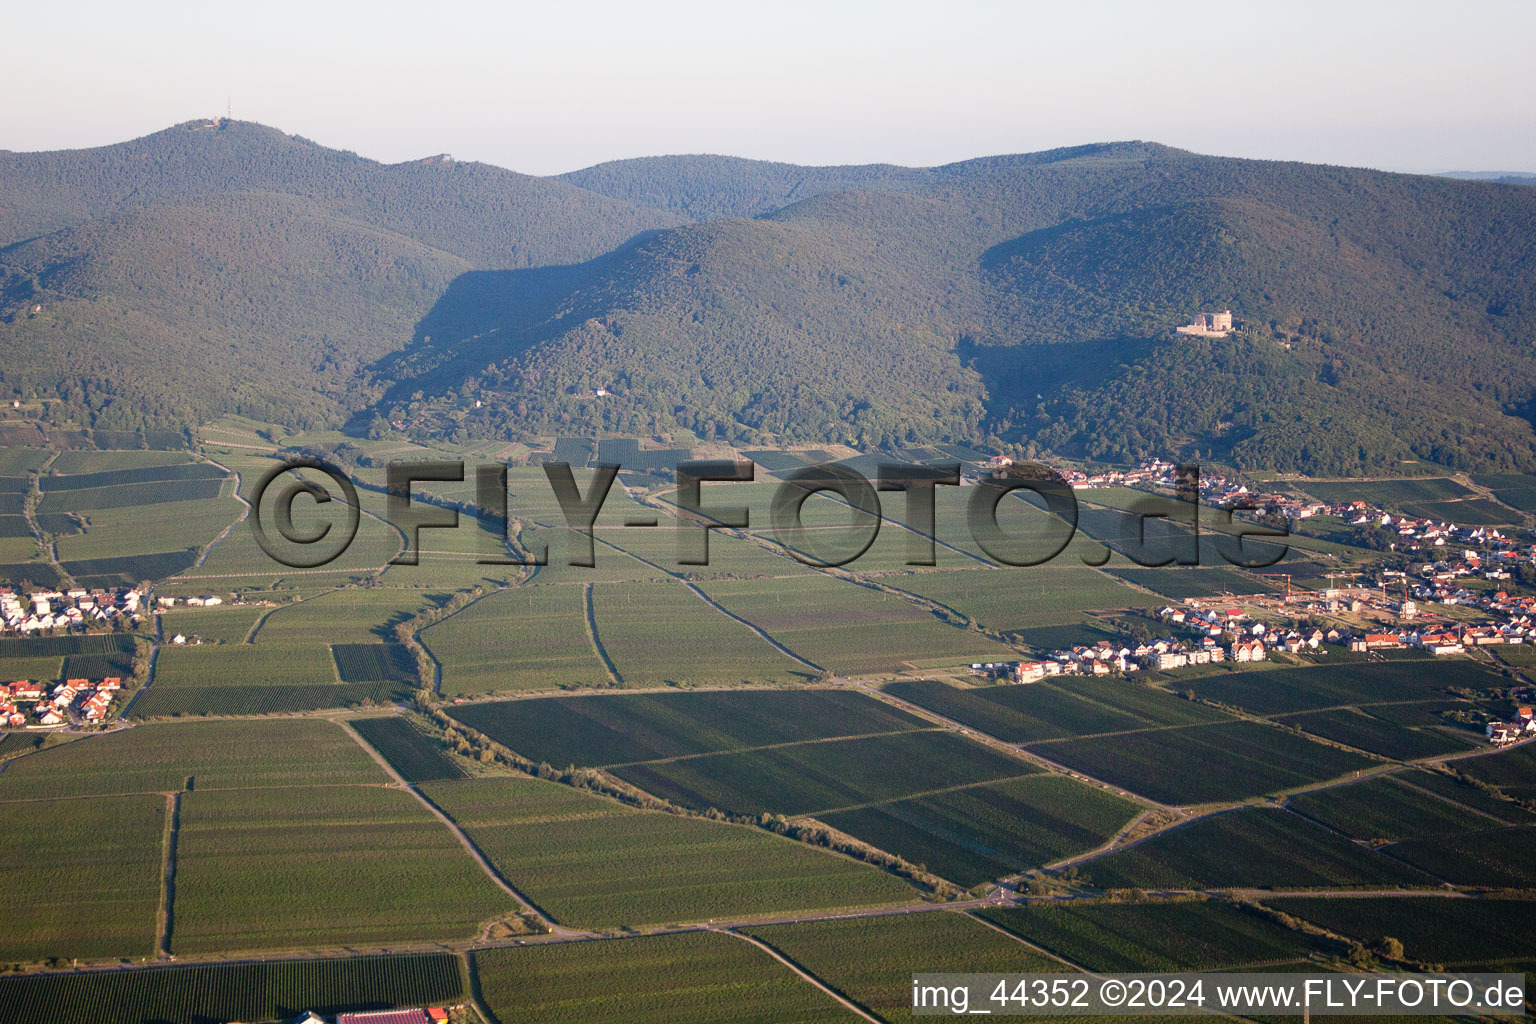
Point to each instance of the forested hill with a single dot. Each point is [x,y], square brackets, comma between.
[1030,301]
[1023,301]
[489,216]
[227,267]
[1502,177]
[705,186]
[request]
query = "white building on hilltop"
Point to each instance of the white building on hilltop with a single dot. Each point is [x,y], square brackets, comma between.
[1209,325]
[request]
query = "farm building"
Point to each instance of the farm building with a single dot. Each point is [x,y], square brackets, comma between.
[1501,733]
[390,1017]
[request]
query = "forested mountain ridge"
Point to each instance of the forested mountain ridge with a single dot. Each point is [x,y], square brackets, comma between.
[707,186]
[223,266]
[1025,301]
[490,216]
[1391,317]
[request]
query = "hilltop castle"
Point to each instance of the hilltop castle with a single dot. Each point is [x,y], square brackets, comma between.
[1210,325]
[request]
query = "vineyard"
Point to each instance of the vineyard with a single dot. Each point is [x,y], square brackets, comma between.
[127,495]
[1205,763]
[653,980]
[808,777]
[212,755]
[184,700]
[1303,689]
[973,835]
[278,990]
[560,846]
[62,646]
[1461,934]
[408,751]
[115,477]
[128,570]
[1252,847]
[302,867]
[81,878]
[1364,731]
[620,728]
[1385,809]
[1023,714]
[365,663]
[1187,935]
[871,960]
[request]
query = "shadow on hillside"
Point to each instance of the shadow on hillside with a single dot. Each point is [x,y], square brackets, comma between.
[1020,377]
[489,316]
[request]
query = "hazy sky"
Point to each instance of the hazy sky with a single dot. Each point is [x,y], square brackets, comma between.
[554,86]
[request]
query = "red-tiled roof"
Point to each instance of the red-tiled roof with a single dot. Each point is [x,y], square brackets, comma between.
[386,1017]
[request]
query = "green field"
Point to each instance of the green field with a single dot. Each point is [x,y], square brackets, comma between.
[128,495]
[1512,771]
[1204,763]
[805,778]
[1189,935]
[362,663]
[592,862]
[1514,489]
[1366,732]
[1386,809]
[972,835]
[407,749]
[16,549]
[214,755]
[1256,848]
[1495,856]
[1178,584]
[359,615]
[179,701]
[619,728]
[1277,691]
[19,461]
[872,960]
[277,990]
[303,867]
[81,877]
[657,633]
[62,646]
[1021,598]
[847,628]
[1455,932]
[700,977]
[526,638]
[172,527]
[242,665]
[120,475]
[1466,793]
[255,679]
[227,624]
[239,560]
[1470,512]
[72,461]
[128,570]
[1055,710]
[40,669]
[1386,492]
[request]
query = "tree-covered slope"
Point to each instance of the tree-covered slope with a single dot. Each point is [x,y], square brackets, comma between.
[260,304]
[706,186]
[1391,317]
[734,328]
[1023,300]
[225,266]
[487,215]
